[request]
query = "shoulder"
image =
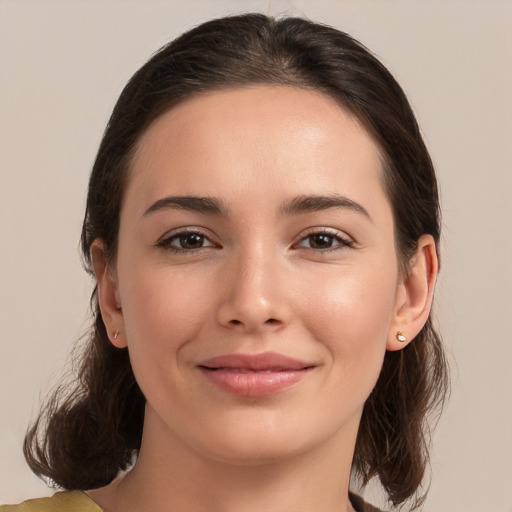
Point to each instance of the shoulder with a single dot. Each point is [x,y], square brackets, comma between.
[69,501]
[360,505]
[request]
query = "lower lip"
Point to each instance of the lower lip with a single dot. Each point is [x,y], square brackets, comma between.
[254,384]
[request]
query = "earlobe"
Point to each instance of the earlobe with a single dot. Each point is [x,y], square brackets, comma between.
[108,296]
[414,298]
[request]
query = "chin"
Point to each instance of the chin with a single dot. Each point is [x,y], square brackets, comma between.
[255,452]
[258,440]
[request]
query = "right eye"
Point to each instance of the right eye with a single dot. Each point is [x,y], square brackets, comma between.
[186,241]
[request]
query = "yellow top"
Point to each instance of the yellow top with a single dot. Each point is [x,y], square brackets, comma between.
[68,501]
[77,501]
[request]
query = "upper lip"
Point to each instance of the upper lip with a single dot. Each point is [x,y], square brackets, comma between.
[256,362]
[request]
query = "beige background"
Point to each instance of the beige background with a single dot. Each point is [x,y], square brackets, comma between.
[62,65]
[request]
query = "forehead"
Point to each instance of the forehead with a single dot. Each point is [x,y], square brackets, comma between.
[261,136]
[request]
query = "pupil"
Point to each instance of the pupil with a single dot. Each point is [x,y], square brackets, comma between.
[321,241]
[191,241]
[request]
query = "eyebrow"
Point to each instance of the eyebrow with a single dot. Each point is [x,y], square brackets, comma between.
[190,203]
[316,203]
[296,206]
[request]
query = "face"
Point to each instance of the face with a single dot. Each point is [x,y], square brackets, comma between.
[256,273]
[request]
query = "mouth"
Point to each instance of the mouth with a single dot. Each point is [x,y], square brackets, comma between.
[254,375]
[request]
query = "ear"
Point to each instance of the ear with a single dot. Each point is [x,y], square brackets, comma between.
[108,296]
[414,295]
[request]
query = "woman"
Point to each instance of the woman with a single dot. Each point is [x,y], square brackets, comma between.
[263,226]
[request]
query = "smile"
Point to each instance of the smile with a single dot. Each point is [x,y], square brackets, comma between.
[254,375]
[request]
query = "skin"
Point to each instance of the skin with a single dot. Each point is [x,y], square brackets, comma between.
[255,279]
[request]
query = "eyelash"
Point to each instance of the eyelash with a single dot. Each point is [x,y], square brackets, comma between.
[166,242]
[342,241]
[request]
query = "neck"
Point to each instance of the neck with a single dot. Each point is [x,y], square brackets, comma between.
[176,478]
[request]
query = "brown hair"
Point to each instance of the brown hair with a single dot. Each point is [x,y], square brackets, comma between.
[95,430]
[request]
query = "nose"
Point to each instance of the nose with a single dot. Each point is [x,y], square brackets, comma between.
[253,299]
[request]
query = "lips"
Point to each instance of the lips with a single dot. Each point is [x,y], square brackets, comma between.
[254,375]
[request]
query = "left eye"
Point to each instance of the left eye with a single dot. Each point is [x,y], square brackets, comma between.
[324,241]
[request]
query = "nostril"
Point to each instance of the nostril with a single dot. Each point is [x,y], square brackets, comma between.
[269,321]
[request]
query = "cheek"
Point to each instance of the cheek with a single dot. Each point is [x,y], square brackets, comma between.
[350,316]
[163,303]
[352,299]
[164,308]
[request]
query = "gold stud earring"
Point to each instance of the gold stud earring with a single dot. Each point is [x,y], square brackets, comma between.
[116,334]
[400,336]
